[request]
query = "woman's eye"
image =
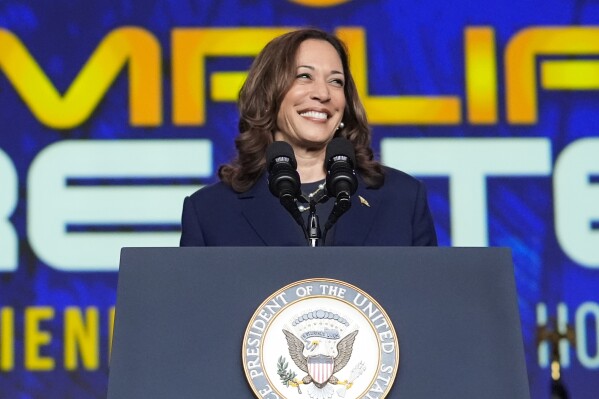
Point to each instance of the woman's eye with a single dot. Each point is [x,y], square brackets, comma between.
[303,76]
[338,82]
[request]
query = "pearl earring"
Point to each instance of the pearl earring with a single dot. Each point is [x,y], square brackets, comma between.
[341,126]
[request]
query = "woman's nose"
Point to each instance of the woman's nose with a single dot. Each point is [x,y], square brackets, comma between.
[320,91]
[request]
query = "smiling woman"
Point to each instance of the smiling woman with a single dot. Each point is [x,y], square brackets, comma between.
[312,108]
[301,71]
[300,90]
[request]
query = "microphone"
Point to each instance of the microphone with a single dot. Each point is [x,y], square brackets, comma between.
[341,181]
[340,161]
[283,179]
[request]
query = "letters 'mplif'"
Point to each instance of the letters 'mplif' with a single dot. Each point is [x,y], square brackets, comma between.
[141,51]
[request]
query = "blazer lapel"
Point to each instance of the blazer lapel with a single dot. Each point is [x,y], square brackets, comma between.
[271,222]
[276,227]
[354,227]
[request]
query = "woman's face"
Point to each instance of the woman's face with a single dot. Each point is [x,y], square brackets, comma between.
[313,107]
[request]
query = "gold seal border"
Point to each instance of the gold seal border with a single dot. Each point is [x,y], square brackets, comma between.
[316,280]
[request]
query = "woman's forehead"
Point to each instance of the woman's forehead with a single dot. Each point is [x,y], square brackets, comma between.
[318,53]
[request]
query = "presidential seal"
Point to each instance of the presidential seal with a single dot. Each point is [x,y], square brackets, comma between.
[320,339]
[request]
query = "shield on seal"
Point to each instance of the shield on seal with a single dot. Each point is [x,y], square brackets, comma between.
[320,368]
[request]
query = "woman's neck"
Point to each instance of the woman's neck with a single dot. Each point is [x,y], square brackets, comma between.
[310,165]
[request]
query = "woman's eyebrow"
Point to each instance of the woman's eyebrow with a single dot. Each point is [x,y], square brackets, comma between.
[312,68]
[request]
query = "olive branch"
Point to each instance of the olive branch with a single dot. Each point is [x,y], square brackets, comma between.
[287,376]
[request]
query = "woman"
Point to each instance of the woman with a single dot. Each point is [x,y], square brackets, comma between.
[300,90]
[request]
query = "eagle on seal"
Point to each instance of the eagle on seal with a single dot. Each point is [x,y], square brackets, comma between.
[344,351]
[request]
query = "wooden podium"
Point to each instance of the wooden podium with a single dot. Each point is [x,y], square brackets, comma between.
[182,313]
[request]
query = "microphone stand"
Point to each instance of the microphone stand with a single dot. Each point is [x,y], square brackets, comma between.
[312,231]
[313,226]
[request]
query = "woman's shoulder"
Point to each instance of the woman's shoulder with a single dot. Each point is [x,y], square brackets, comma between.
[395,178]
[218,191]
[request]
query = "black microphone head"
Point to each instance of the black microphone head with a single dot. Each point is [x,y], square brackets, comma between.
[280,149]
[340,162]
[283,179]
[340,148]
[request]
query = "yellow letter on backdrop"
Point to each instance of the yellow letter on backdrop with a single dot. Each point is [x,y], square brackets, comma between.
[191,47]
[520,66]
[134,45]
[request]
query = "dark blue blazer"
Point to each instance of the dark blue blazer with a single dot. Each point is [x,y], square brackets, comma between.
[396,214]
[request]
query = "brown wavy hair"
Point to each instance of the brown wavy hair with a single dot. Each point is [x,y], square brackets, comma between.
[270,77]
